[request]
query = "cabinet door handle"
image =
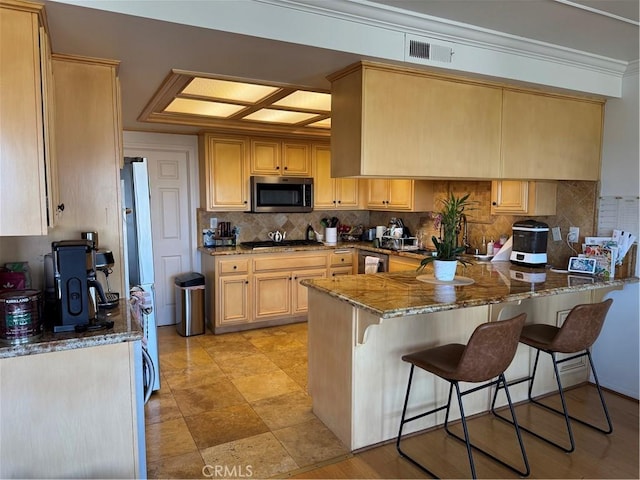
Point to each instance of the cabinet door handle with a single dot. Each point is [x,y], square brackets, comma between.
[494,203]
[246,282]
[235,266]
[339,201]
[286,168]
[278,167]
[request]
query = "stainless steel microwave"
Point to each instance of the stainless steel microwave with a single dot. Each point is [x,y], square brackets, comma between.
[281,194]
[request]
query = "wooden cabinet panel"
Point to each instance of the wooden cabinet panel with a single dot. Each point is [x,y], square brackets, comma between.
[278,157]
[514,197]
[300,302]
[550,137]
[332,193]
[341,258]
[296,159]
[272,294]
[337,271]
[224,179]
[289,261]
[263,288]
[233,300]
[265,157]
[392,121]
[25,102]
[400,195]
[88,150]
[236,265]
[86,396]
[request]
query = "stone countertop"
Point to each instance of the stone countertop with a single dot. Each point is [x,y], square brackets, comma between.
[398,294]
[125,329]
[239,250]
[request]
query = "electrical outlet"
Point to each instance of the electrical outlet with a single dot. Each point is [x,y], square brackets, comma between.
[574,233]
[557,236]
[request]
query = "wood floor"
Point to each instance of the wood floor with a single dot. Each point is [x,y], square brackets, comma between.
[596,455]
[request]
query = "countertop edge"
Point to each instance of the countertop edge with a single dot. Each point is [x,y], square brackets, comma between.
[126,328]
[489,300]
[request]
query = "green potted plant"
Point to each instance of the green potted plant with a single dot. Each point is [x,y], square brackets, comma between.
[448,252]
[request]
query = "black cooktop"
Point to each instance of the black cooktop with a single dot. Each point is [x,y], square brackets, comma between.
[283,243]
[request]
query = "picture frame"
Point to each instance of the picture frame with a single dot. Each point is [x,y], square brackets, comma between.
[582,265]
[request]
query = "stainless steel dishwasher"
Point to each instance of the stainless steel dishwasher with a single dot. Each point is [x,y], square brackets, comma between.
[383,263]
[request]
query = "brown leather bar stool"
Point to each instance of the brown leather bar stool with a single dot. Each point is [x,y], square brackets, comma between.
[577,334]
[486,356]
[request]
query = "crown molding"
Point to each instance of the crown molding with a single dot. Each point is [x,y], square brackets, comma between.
[391,18]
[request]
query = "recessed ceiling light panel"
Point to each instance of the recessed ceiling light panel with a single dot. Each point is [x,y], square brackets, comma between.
[279,116]
[307,101]
[223,89]
[202,107]
[326,123]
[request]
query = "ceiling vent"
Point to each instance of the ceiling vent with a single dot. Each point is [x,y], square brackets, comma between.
[421,50]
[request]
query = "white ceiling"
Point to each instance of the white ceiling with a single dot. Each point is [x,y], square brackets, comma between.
[148,49]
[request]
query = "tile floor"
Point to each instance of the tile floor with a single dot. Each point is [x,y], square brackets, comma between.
[236,403]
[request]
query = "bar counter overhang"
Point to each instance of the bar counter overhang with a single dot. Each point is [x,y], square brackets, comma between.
[361,325]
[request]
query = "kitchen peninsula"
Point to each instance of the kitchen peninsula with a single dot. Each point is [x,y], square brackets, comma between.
[361,325]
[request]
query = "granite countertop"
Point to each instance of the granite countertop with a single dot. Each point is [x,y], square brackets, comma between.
[239,250]
[125,329]
[397,294]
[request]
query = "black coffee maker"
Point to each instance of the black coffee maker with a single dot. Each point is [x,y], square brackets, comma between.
[76,285]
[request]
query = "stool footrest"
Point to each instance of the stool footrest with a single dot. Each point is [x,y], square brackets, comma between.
[466,440]
[564,412]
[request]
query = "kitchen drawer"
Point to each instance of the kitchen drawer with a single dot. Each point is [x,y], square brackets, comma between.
[289,262]
[341,258]
[237,265]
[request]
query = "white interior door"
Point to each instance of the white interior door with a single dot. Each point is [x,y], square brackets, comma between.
[172,219]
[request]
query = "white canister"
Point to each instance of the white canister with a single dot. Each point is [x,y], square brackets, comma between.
[331,235]
[380,231]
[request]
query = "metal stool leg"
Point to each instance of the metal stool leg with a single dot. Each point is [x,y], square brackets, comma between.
[500,380]
[466,439]
[564,412]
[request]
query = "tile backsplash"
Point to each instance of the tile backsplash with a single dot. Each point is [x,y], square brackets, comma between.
[256,226]
[576,206]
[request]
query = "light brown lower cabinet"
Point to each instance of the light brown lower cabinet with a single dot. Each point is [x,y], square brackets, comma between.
[300,302]
[73,413]
[247,291]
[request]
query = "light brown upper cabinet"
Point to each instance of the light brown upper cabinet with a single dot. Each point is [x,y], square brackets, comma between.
[276,157]
[394,122]
[224,173]
[399,195]
[332,193]
[514,197]
[550,137]
[88,151]
[28,187]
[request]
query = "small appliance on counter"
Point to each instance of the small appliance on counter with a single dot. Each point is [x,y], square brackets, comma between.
[74,265]
[104,264]
[529,243]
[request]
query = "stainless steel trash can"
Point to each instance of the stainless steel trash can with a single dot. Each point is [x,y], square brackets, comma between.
[190,304]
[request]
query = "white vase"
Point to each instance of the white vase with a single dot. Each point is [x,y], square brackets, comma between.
[444,270]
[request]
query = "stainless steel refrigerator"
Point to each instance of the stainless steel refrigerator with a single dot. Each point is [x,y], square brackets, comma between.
[138,254]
